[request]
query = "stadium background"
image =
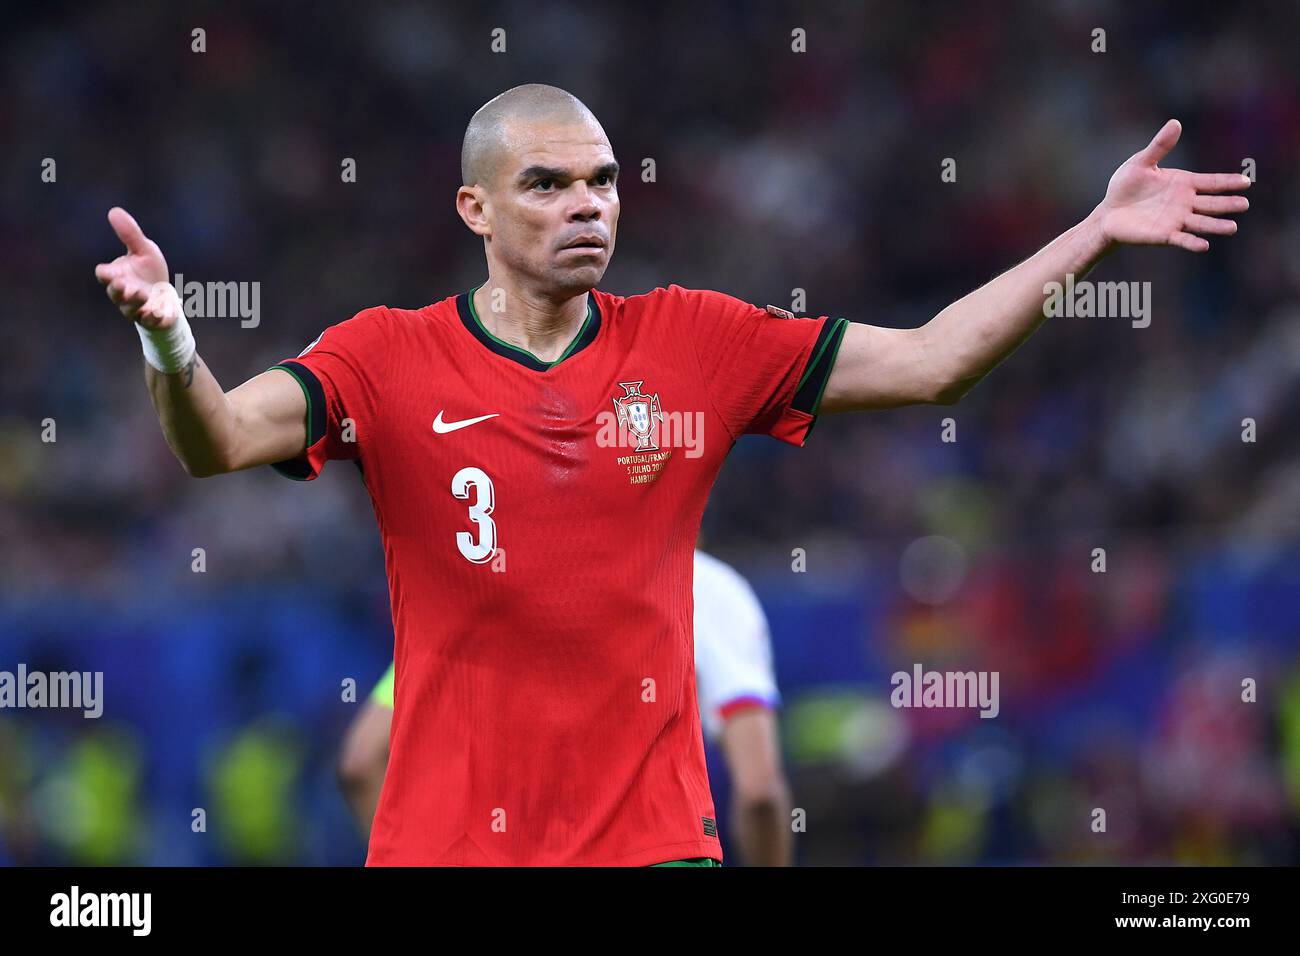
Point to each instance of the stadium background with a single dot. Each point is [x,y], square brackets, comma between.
[775,171]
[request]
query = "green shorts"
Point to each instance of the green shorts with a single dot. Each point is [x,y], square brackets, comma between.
[697,861]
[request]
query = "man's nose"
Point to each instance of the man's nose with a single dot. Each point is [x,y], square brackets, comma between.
[584,203]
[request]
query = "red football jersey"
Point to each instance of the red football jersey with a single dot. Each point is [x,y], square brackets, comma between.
[538,524]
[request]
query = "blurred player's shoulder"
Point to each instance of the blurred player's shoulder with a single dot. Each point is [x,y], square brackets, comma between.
[733,653]
[717,581]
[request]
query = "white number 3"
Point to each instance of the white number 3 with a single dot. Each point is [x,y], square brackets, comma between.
[480,551]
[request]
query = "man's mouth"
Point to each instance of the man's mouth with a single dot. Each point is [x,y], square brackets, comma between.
[586,244]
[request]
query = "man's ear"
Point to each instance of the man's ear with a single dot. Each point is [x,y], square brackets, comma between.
[471,205]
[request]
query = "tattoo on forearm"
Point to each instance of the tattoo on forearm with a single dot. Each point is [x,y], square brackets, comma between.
[189,371]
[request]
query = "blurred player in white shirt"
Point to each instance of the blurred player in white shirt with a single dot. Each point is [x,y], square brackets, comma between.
[738,699]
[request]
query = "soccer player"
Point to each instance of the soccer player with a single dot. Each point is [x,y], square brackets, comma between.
[737,699]
[538,453]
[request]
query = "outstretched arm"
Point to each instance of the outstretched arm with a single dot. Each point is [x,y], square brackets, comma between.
[210,431]
[943,360]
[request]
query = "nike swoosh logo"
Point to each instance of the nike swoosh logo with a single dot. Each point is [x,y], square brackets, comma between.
[441,428]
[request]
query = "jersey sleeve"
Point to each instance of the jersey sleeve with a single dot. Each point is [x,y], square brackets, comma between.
[764,369]
[733,651]
[340,375]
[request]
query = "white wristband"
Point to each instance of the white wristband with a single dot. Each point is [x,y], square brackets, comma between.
[168,350]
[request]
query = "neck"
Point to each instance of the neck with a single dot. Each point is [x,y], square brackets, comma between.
[535,323]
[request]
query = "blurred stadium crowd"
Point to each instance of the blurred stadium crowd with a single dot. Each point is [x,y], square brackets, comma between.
[774,171]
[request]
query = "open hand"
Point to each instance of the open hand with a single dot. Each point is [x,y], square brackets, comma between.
[1150,206]
[137,280]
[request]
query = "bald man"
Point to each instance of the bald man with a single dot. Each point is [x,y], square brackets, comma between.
[539,452]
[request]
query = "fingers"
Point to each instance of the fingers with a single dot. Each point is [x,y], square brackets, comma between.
[162,308]
[1219,182]
[128,230]
[122,289]
[1198,222]
[1213,205]
[1185,240]
[1161,143]
[117,295]
[155,307]
[1207,224]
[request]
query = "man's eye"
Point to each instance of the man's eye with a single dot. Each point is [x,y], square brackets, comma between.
[608,179]
[544,182]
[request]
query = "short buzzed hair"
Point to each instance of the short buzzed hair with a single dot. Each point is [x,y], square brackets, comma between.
[480,155]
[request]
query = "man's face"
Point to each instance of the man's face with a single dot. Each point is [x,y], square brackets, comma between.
[553,206]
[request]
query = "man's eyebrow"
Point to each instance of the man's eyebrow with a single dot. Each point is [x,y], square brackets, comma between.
[532,173]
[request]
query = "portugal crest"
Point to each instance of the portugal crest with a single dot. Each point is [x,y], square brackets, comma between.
[638,412]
